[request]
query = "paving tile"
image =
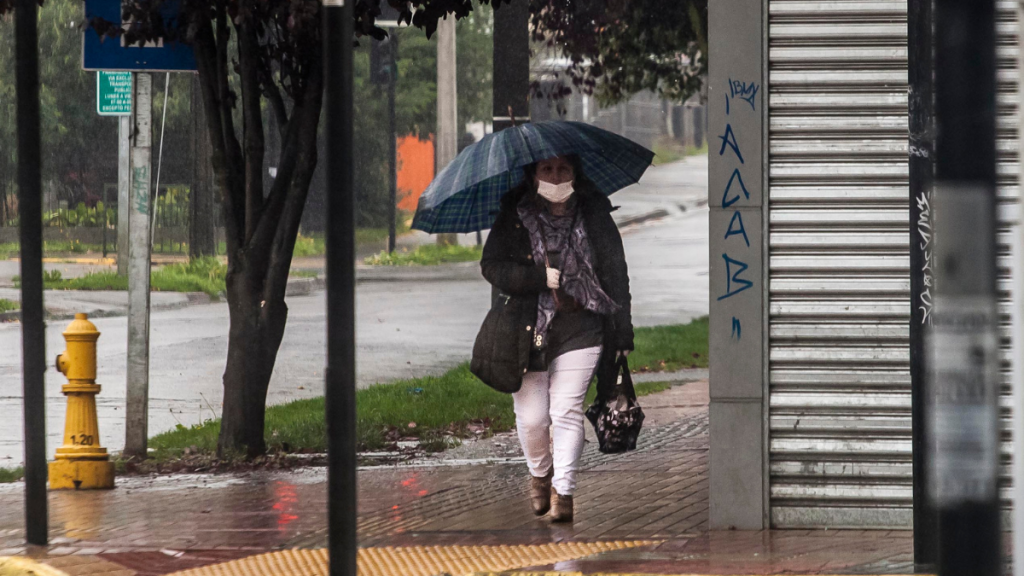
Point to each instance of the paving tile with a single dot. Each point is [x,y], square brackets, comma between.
[660,491]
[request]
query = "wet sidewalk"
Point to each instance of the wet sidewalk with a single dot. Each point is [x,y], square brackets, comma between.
[642,512]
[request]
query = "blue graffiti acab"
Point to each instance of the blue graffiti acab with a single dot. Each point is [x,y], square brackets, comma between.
[735,178]
[733,283]
[729,140]
[736,228]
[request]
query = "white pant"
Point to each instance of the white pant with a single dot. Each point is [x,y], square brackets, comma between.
[554,399]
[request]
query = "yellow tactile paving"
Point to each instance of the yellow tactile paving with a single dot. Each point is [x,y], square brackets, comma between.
[414,560]
[16,566]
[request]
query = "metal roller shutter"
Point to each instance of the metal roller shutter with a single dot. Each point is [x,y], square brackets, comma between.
[839,400]
[1008,171]
[839,397]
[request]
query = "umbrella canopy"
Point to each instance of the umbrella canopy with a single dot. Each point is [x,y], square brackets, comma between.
[466,195]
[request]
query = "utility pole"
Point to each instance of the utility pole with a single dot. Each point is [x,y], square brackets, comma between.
[511,79]
[124,186]
[340,381]
[963,361]
[137,411]
[921,111]
[202,236]
[447,140]
[33,328]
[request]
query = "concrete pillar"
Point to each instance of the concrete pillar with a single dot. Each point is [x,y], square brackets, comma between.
[737,198]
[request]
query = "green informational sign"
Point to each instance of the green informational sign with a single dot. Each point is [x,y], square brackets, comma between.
[114,93]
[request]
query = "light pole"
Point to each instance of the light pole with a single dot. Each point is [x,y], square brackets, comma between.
[31,236]
[340,380]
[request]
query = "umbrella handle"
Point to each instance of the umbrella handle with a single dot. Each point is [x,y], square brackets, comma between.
[511,116]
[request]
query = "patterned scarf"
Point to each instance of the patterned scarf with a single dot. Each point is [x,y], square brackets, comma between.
[567,235]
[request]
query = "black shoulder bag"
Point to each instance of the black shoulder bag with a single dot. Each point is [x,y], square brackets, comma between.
[616,415]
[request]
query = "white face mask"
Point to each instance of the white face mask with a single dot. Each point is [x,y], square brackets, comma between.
[554,193]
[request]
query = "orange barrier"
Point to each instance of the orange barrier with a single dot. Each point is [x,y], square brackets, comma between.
[415,170]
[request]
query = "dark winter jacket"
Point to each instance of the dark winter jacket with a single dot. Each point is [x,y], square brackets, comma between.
[501,354]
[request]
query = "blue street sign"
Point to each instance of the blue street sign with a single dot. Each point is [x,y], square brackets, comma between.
[110,54]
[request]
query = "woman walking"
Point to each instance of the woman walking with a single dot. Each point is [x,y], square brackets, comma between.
[556,258]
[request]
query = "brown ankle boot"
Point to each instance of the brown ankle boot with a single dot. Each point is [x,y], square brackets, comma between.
[561,507]
[540,494]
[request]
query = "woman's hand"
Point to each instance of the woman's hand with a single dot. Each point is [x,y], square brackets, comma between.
[554,278]
[622,353]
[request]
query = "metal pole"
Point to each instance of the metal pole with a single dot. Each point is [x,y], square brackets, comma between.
[340,385]
[159,164]
[511,79]
[33,329]
[106,221]
[137,411]
[922,172]
[964,361]
[392,145]
[124,185]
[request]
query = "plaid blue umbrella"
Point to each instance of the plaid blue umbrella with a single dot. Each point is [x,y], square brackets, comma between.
[466,195]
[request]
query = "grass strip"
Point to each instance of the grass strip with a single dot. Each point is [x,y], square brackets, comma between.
[8,305]
[667,150]
[8,475]
[200,275]
[428,409]
[427,255]
[304,274]
[671,348]
[431,409]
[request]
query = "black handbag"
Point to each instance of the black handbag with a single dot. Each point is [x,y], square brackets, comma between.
[616,415]
[496,350]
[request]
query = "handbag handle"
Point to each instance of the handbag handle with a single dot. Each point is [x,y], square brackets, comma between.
[623,377]
[547,263]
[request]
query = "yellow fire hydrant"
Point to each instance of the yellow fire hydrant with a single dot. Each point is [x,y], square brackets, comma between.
[81,464]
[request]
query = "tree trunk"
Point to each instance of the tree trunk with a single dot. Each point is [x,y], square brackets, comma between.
[256,330]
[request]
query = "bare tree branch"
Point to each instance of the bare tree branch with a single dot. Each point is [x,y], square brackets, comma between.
[207,63]
[252,122]
[295,199]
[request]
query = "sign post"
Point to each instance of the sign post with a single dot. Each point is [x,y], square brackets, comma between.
[114,98]
[134,189]
[136,425]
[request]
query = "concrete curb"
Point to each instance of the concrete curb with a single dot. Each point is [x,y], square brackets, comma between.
[641,218]
[304,286]
[296,287]
[439,273]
